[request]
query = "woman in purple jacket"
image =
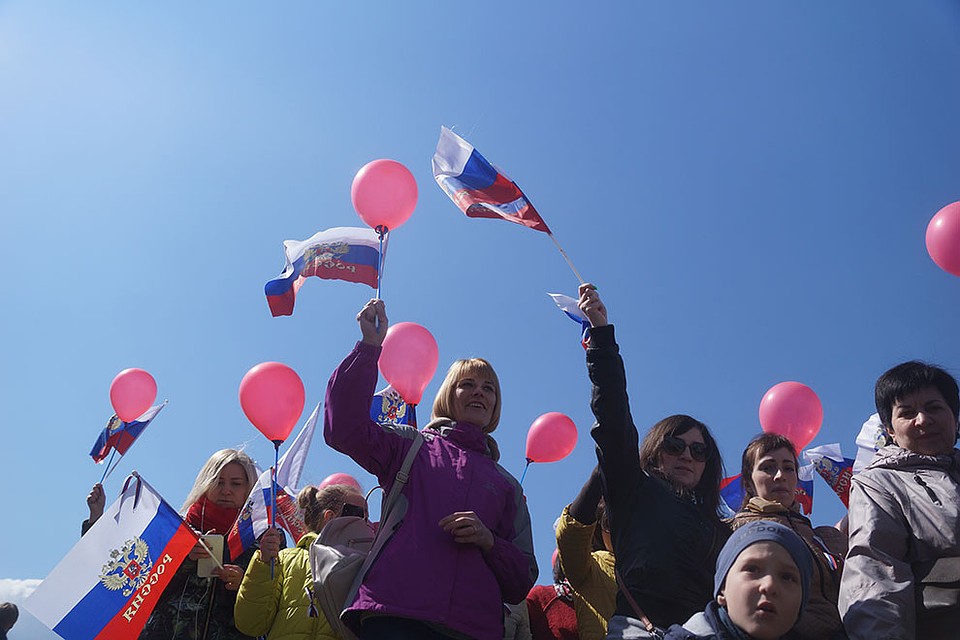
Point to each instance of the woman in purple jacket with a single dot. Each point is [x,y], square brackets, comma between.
[465,545]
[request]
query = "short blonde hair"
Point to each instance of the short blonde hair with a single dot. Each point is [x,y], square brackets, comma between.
[211,471]
[476,367]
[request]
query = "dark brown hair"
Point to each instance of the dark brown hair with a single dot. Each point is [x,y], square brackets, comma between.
[313,502]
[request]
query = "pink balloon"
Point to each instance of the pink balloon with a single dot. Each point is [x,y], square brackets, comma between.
[340,478]
[943,238]
[131,393]
[272,397]
[793,410]
[409,359]
[384,192]
[551,437]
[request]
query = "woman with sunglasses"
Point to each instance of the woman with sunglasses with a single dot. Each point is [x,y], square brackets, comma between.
[769,479]
[662,500]
[277,605]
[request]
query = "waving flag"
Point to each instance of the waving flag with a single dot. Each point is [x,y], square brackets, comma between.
[805,488]
[479,189]
[110,581]
[255,516]
[341,253]
[872,436]
[120,435]
[572,310]
[829,462]
[732,493]
[388,407]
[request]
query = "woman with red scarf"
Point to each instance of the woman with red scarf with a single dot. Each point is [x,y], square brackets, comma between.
[195,608]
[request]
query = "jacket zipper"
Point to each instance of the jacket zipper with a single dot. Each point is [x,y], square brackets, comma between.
[929,491]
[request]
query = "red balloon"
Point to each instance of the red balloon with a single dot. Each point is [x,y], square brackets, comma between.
[943,238]
[551,437]
[409,359]
[384,192]
[793,410]
[272,397]
[131,393]
[340,478]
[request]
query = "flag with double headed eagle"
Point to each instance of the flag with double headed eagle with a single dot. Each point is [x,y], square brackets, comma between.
[389,407]
[255,517]
[478,188]
[111,580]
[120,436]
[828,461]
[341,253]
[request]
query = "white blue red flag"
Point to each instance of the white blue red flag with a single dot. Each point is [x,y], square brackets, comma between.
[732,493]
[119,435]
[341,253]
[872,436]
[388,407]
[828,461]
[572,310]
[254,518]
[110,581]
[805,488]
[477,187]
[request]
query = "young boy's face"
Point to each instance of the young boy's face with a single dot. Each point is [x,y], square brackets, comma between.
[762,592]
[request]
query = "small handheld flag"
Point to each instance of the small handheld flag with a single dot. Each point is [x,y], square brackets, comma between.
[828,461]
[572,310]
[388,407]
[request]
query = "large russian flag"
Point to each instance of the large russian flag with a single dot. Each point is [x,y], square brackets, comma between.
[110,581]
[341,253]
[477,187]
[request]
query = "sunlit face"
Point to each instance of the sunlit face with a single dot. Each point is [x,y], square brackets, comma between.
[681,469]
[231,488]
[762,592]
[474,398]
[923,423]
[775,477]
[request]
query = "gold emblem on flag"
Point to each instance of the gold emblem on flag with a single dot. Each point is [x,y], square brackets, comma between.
[128,568]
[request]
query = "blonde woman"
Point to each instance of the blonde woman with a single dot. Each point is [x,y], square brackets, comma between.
[195,608]
[464,546]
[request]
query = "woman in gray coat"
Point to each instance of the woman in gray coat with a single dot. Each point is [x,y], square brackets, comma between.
[902,573]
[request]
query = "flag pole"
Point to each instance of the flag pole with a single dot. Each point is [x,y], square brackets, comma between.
[107,468]
[565,257]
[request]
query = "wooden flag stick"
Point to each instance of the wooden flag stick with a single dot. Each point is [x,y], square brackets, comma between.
[565,257]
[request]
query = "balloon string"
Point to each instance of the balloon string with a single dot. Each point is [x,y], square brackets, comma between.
[273,493]
[524,474]
[565,257]
[107,467]
[382,231]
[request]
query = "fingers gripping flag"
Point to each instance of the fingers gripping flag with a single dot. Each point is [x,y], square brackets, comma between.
[110,581]
[477,187]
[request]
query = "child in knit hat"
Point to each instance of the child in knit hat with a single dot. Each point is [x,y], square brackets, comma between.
[760,587]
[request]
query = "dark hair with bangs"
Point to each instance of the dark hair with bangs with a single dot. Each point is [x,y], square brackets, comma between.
[910,377]
[707,491]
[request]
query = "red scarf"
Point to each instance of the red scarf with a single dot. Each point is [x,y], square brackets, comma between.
[204,515]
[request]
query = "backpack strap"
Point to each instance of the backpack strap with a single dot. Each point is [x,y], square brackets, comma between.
[390,516]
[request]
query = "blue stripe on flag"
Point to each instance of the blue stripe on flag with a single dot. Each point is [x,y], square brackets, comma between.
[477,174]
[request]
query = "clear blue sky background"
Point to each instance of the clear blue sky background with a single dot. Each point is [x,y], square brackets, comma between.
[748,184]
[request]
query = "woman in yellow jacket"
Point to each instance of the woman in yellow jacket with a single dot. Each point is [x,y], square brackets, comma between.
[279,608]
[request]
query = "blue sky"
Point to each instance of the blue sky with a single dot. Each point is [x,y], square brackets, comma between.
[747,183]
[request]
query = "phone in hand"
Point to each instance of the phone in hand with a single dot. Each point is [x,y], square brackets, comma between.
[206,565]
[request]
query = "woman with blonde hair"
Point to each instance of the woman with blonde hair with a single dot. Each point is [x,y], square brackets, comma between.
[464,546]
[273,602]
[196,608]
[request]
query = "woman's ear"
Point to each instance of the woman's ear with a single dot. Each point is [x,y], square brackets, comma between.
[328,515]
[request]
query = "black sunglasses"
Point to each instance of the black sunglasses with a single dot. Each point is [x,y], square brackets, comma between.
[353,510]
[674,446]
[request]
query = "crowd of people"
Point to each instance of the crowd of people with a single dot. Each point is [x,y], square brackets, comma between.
[643,551]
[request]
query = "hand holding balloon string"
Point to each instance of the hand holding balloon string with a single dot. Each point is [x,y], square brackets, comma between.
[373,322]
[467,528]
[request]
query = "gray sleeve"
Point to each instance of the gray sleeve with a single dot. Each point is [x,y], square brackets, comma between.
[877,587]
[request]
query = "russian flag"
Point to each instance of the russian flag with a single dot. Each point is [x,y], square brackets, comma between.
[829,462]
[389,407]
[805,488]
[120,435]
[731,492]
[477,187]
[110,581]
[341,253]
[571,309]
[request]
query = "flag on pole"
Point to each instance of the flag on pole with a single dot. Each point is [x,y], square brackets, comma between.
[829,462]
[341,253]
[107,585]
[571,309]
[731,492]
[805,488]
[120,435]
[254,518]
[477,187]
[388,407]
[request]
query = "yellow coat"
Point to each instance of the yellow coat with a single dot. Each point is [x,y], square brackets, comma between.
[591,574]
[279,608]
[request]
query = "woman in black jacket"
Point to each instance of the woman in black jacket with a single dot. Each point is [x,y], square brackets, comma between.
[662,497]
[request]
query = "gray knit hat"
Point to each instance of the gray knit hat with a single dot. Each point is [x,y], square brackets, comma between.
[765,531]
